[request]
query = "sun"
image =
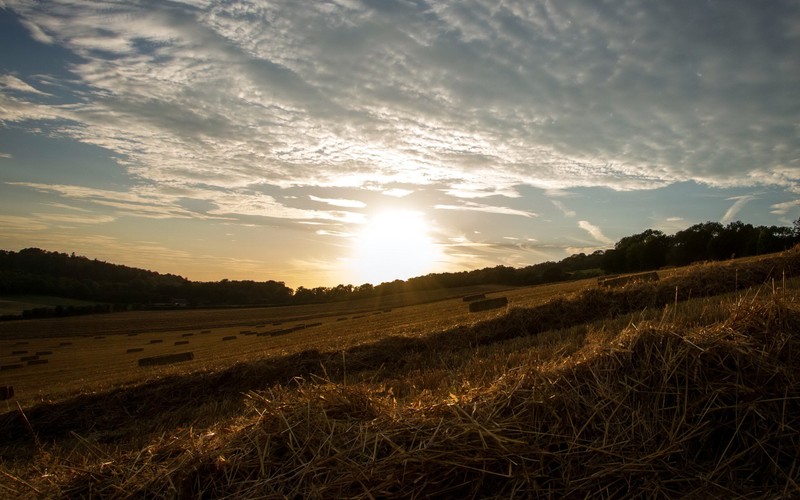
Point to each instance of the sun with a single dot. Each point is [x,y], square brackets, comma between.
[394,245]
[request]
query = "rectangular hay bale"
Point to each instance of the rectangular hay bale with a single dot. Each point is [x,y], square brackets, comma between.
[134,349]
[166,359]
[11,367]
[485,305]
[38,362]
[181,342]
[229,337]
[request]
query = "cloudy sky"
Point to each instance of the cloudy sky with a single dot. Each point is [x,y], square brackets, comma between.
[352,141]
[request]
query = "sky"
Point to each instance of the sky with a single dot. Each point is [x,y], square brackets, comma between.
[351,141]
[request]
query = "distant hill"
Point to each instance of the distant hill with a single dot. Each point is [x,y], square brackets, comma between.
[33,271]
[39,272]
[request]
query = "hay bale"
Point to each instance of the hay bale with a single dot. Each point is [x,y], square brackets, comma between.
[28,358]
[156,341]
[132,334]
[181,342]
[99,337]
[229,337]
[187,334]
[38,362]
[64,344]
[22,342]
[485,305]
[310,325]
[17,353]
[43,353]
[473,298]
[6,392]
[11,367]
[166,359]
[342,318]
[134,349]
[205,331]
[602,279]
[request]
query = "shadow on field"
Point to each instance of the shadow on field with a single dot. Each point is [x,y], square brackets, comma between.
[202,398]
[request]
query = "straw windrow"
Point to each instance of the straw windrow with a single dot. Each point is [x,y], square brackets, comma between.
[662,407]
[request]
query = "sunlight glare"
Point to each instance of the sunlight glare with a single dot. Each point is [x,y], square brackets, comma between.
[394,245]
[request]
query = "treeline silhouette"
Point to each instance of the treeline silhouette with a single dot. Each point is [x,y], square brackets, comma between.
[38,272]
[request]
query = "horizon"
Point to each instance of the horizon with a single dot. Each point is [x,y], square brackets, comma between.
[349,142]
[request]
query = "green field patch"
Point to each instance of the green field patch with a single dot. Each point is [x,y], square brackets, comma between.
[14,305]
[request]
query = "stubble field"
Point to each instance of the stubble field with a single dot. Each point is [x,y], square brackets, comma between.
[685,387]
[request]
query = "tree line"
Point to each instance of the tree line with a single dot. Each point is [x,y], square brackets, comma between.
[39,272]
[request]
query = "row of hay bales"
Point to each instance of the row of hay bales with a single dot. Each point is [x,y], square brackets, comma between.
[166,359]
[617,280]
[26,358]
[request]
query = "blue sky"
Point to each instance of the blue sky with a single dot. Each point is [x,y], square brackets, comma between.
[269,140]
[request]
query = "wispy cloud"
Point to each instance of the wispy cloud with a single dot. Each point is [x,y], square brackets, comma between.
[479,207]
[595,232]
[13,83]
[785,207]
[739,203]
[476,96]
[339,202]
[564,210]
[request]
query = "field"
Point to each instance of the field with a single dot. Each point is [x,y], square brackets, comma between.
[91,353]
[15,304]
[682,387]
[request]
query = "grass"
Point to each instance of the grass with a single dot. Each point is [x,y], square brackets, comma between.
[685,387]
[13,305]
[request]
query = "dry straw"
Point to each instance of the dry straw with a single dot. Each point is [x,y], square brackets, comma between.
[657,409]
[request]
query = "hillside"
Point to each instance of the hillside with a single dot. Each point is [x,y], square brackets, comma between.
[33,271]
[683,387]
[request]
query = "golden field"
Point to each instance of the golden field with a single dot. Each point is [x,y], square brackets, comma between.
[686,387]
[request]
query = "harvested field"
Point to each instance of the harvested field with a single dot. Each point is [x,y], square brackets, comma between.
[487,304]
[166,359]
[685,387]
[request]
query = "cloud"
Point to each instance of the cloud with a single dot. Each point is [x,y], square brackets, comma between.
[6,155]
[475,96]
[339,202]
[163,202]
[595,232]
[740,202]
[37,33]
[73,219]
[567,212]
[785,207]
[397,192]
[479,207]
[14,83]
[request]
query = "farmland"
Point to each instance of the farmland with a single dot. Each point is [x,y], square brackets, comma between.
[90,353]
[684,386]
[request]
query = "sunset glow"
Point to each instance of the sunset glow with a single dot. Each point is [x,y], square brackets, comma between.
[394,245]
[243,139]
